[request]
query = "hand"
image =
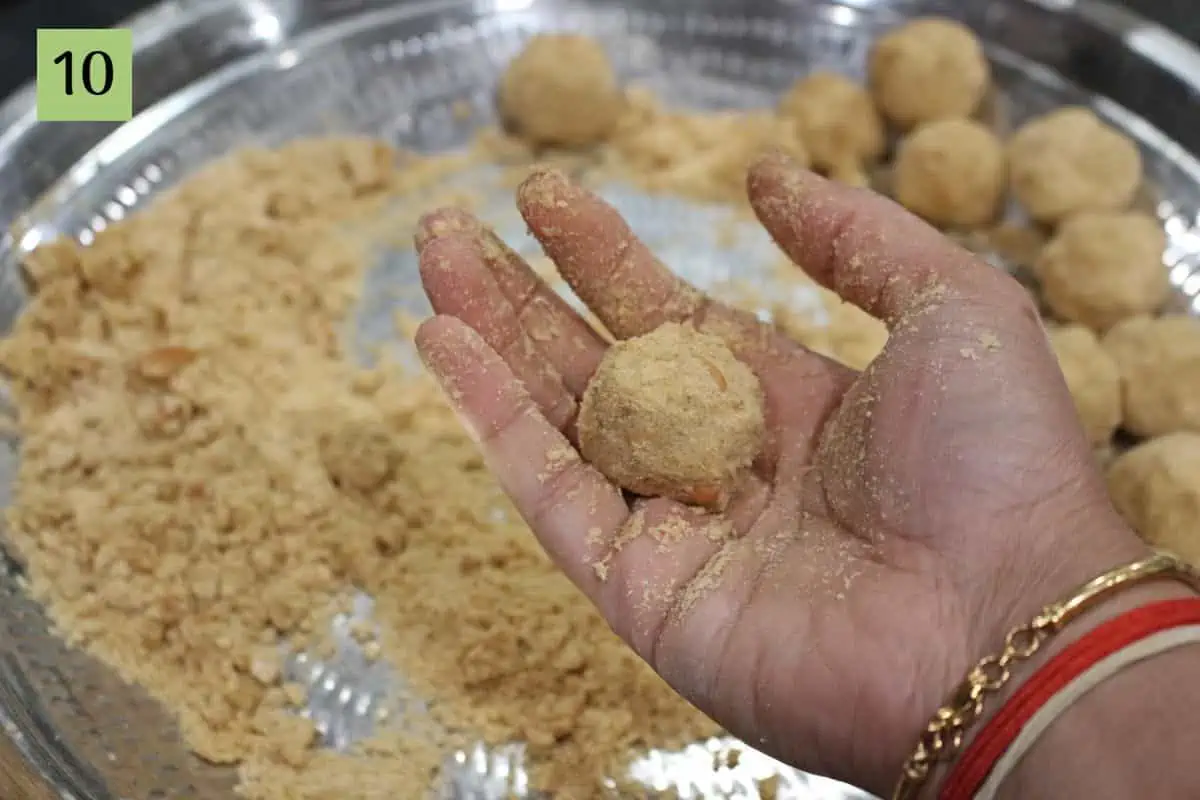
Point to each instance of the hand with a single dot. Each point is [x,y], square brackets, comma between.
[900,520]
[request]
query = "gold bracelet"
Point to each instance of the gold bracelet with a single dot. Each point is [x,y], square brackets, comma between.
[943,736]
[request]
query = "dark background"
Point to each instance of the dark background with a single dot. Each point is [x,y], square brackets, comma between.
[20,18]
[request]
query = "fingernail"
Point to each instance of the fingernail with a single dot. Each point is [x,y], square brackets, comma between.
[779,167]
[441,222]
[546,187]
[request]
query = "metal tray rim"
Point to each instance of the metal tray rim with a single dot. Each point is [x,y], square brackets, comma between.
[18,111]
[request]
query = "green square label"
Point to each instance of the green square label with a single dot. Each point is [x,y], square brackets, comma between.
[84,74]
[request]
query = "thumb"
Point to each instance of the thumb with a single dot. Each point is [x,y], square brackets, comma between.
[873,253]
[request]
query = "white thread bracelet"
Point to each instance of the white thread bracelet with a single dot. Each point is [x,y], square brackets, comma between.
[1095,675]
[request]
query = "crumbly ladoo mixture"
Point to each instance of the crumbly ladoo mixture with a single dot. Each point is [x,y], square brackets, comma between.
[831,327]
[701,155]
[843,331]
[846,333]
[673,413]
[204,476]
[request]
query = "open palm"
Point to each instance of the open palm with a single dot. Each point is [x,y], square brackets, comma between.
[898,521]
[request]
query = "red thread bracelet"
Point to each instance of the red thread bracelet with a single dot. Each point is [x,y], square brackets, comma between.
[1112,636]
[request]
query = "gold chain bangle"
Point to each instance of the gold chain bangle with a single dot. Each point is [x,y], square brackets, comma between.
[943,736]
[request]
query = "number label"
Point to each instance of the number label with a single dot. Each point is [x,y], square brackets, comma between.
[93,87]
[84,75]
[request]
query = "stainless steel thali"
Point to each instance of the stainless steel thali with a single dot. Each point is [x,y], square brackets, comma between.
[213,74]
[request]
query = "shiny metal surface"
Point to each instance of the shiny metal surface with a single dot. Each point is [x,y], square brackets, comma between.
[212,74]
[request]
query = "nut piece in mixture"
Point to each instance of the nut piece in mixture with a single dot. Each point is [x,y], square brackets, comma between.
[1070,161]
[561,91]
[1156,488]
[1093,379]
[838,123]
[1159,362]
[952,173]
[673,413]
[927,70]
[1103,267]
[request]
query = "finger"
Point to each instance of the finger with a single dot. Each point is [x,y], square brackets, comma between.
[573,510]
[458,284]
[864,247]
[564,337]
[613,272]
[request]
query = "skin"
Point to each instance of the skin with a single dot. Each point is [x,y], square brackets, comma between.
[900,521]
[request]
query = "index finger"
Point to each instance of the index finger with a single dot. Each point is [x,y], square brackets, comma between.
[611,270]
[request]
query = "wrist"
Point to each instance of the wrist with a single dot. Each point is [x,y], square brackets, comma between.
[1095,703]
[1111,546]
[1087,751]
[1094,550]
